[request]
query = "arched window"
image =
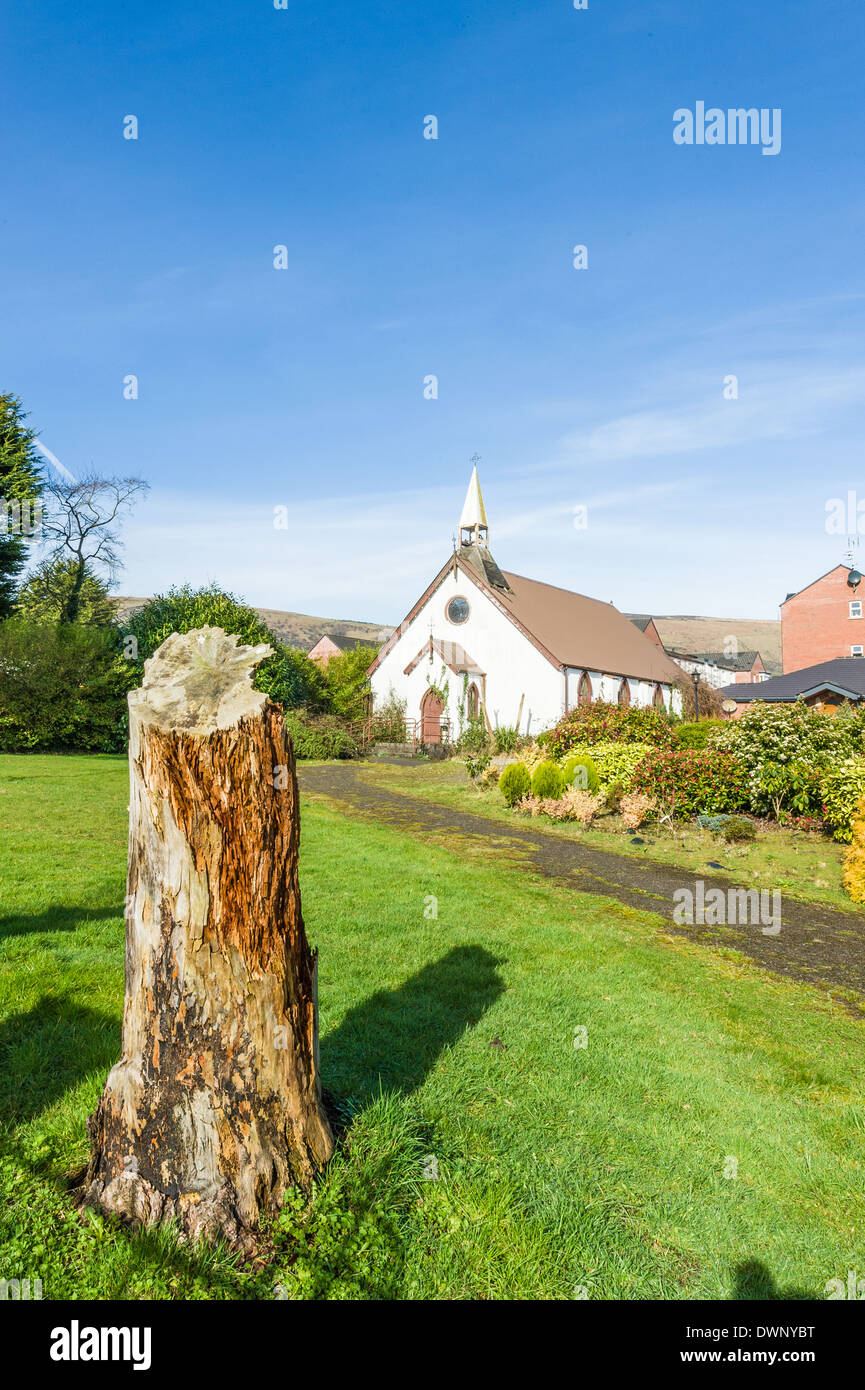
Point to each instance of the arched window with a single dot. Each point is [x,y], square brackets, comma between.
[474,701]
[624,693]
[584,690]
[658,698]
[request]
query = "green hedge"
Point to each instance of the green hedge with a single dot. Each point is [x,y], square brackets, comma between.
[697,735]
[288,676]
[319,737]
[62,688]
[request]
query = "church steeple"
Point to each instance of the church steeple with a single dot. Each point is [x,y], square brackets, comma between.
[473,522]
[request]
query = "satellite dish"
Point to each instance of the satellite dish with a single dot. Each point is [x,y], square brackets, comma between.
[729,707]
[854,578]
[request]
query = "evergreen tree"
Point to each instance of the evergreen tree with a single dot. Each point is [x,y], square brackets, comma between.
[21,484]
[44,597]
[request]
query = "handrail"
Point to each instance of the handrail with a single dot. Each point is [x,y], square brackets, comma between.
[412,730]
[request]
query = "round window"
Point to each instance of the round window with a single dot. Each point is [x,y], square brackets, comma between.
[458,609]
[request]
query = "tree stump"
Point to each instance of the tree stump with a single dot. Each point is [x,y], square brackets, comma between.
[214,1108]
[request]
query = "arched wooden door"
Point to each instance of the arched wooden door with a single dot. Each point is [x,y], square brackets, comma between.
[431,709]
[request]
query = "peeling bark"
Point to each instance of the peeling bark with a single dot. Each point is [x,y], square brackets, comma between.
[214,1108]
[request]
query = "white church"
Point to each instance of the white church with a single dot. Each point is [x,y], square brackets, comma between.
[520,653]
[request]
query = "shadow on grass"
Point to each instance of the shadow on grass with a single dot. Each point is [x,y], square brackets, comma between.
[392,1041]
[48,1049]
[753,1280]
[56,919]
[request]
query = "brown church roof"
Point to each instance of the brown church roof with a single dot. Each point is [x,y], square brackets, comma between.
[569,629]
[585,632]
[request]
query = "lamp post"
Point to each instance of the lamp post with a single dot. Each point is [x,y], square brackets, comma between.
[695,677]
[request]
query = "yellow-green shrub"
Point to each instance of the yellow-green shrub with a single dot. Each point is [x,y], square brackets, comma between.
[841,789]
[853,876]
[515,783]
[548,781]
[614,762]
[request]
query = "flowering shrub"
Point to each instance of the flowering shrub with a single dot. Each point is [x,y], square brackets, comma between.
[806,823]
[686,781]
[840,789]
[601,722]
[636,807]
[785,749]
[614,762]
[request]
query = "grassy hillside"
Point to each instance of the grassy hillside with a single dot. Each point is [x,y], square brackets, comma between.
[295,629]
[685,634]
[689,634]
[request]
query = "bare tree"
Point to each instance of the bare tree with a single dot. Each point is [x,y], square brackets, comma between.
[81,525]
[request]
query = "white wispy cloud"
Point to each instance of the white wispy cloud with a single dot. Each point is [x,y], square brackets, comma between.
[55,462]
[780,407]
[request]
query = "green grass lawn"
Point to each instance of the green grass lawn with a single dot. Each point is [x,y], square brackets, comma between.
[804,864]
[532,1168]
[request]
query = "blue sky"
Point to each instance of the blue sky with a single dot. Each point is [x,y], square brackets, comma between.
[407,257]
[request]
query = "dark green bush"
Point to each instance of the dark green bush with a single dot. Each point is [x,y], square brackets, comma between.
[288,676]
[321,736]
[738,829]
[62,687]
[515,783]
[589,781]
[696,735]
[548,781]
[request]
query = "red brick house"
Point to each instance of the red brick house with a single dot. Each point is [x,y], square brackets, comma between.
[330,645]
[824,620]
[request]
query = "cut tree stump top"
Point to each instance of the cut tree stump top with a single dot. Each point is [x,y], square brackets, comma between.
[199,681]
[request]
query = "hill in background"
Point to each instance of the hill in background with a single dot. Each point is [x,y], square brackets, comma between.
[679,632]
[299,630]
[687,634]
